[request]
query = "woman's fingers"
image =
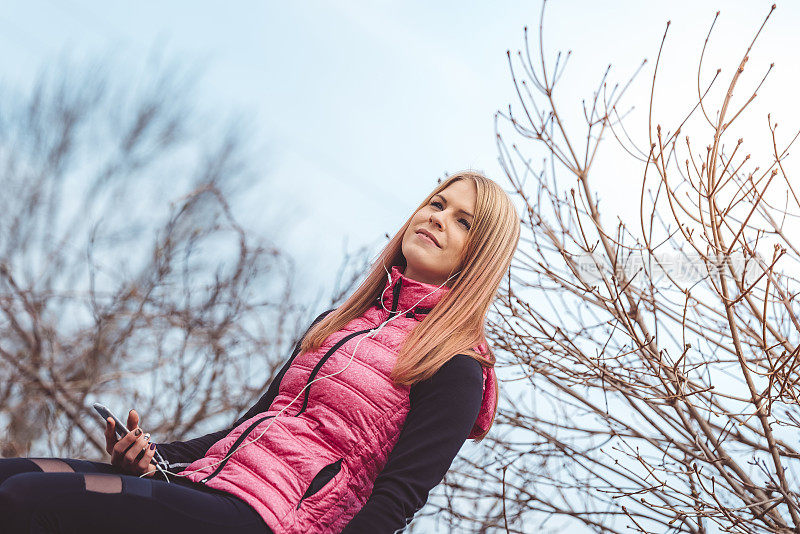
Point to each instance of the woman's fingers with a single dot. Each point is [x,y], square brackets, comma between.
[133,420]
[122,446]
[136,448]
[144,464]
[111,438]
[128,459]
[131,453]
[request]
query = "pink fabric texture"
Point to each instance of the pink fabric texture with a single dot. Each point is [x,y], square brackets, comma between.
[348,426]
[486,412]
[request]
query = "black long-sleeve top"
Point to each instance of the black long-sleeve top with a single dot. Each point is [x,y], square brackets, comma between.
[442,412]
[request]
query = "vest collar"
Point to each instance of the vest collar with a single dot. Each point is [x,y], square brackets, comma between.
[401,293]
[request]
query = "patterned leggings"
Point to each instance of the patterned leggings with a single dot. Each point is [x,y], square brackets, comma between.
[65,496]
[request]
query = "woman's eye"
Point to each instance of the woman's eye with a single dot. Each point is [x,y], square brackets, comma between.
[441,206]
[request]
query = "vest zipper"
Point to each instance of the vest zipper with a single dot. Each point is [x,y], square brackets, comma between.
[322,362]
[396,296]
[305,398]
[236,443]
[327,473]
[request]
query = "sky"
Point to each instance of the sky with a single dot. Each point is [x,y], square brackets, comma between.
[359,106]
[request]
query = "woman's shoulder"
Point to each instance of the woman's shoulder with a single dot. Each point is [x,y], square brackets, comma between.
[461,370]
[464,360]
[456,387]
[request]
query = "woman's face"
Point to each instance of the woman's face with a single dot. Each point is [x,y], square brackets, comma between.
[448,218]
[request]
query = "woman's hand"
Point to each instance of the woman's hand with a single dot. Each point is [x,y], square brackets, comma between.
[132,453]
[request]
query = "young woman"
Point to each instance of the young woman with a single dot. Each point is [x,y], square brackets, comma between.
[362,421]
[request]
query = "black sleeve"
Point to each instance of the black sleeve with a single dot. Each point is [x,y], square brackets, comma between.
[442,413]
[177,453]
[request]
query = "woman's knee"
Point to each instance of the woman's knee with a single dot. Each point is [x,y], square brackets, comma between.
[29,497]
[18,500]
[15,466]
[25,488]
[17,480]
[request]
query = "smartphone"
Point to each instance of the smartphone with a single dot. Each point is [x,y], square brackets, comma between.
[105,413]
[119,427]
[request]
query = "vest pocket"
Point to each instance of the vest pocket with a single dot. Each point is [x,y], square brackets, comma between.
[324,476]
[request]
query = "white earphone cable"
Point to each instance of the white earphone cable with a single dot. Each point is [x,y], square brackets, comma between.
[373,333]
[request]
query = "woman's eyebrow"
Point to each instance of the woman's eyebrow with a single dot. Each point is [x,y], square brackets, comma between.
[465,212]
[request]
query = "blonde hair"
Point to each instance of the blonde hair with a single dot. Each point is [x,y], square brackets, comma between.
[456,324]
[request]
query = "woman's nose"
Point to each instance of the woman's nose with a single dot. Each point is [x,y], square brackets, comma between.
[435,218]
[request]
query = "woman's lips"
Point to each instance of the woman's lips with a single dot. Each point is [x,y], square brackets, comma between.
[426,239]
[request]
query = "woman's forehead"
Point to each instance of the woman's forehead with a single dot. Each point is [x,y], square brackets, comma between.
[461,192]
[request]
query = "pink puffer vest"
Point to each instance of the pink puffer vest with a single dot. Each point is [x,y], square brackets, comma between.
[314,468]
